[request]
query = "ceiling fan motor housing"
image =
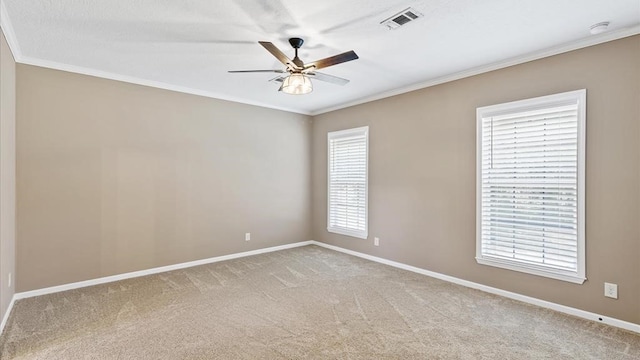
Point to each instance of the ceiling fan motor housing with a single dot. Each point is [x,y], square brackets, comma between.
[296,43]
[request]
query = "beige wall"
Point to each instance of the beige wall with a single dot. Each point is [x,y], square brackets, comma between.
[422,174]
[7,173]
[115,177]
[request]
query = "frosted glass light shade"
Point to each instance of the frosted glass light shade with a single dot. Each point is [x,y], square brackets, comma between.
[297,84]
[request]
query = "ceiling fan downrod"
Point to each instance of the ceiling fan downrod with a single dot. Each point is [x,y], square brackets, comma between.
[296,43]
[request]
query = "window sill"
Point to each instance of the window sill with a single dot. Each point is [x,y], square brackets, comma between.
[347,232]
[532,269]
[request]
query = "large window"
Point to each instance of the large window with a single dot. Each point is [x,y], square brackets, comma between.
[347,180]
[530,186]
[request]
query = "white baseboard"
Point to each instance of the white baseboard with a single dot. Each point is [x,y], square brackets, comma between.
[526,299]
[134,274]
[5,318]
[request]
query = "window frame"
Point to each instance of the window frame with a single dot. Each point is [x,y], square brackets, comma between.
[341,134]
[578,97]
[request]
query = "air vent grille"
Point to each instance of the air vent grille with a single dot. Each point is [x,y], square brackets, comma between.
[400,19]
[411,15]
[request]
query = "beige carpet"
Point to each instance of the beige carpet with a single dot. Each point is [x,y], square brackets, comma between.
[303,303]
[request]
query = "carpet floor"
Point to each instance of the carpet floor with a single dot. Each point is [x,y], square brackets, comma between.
[302,303]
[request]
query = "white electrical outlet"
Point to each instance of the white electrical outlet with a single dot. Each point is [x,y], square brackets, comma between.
[9,281]
[376,241]
[611,290]
[247,236]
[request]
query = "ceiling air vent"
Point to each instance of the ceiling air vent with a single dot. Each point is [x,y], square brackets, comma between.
[402,18]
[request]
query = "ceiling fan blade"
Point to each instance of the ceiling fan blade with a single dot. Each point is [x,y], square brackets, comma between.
[333,60]
[278,79]
[278,54]
[328,78]
[257,71]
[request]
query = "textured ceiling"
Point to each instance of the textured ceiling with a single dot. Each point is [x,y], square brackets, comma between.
[189,45]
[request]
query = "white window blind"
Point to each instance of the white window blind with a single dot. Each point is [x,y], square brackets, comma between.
[347,182]
[531,186]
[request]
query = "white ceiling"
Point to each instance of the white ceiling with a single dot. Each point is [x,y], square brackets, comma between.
[189,45]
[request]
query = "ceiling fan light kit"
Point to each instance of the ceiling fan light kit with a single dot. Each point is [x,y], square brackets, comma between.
[299,80]
[297,84]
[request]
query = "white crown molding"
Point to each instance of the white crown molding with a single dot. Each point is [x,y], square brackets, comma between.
[556,50]
[515,296]
[144,82]
[5,23]
[7,29]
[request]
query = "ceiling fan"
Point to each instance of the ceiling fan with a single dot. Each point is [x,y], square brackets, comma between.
[298,81]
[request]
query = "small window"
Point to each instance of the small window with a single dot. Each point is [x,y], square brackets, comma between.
[530,186]
[347,182]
